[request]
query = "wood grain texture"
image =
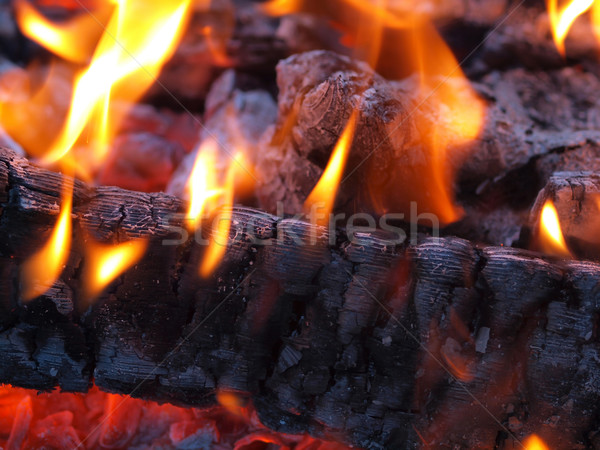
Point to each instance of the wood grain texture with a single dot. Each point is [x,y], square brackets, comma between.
[375,344]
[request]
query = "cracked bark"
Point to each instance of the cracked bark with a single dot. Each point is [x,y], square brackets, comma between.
[372,343]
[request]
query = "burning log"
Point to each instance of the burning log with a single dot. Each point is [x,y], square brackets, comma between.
[358,337]
[319,90]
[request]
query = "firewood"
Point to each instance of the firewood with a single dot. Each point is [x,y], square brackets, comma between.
[374,343]
[529,115]
[576,197]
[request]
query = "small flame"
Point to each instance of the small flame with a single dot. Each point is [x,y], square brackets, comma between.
[220,235]
[561,19]
[202,184]
[324,193]
[107,262]
[551,236]
[139,38]
[73,40]
[42,270]
[232,403]
[535,443]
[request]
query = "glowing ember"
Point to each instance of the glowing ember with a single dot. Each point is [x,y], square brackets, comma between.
[100,420]
[561,19]
[107,262]
[324,193]
[43,269]
[535,443]
[551,237]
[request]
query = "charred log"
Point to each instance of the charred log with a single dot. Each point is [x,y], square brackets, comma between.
[372,342]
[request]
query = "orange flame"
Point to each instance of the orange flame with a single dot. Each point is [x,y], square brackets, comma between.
[138,39]
[202,184]
[551,236]
[324,193]
[220,234]
[42,270]
[535,443]
[73,40]
[232,403]
[106,262]
[561,19]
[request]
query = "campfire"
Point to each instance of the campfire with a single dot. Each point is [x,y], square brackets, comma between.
[300,225]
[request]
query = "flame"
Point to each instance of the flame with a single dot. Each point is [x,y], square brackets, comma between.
[232,403]
[202,184]
[220,233]
[447,112]
[324,193]
[106,262]
[43,269]
[535,443]
[73,40]
[138,40]
[551,237]
[561,19]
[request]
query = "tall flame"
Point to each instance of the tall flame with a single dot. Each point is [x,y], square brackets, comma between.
[138,40]
[220,233]
[42,270]
[561,19]
[202,184]
[551,236]
[324,193]
[106,262]
[535,443]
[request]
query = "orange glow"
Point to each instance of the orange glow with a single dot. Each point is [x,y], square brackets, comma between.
[106,262]
[561,19]
[551,236]
[232,403]
[42,270]
[220,231]
[533,442]
[73,40]
[202,185]
[139,38]
[323,194]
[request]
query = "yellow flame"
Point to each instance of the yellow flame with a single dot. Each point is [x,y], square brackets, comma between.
[535,443]
[551,236]
[561,19]
[73,40]
[220,233]
[138,40]
[42,270]
[106,262]
[324,193]
[202,184]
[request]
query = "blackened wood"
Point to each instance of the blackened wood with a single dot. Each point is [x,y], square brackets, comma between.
[373,343]
[576,197]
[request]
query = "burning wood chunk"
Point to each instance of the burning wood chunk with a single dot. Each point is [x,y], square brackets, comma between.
[361,330]
[575,196]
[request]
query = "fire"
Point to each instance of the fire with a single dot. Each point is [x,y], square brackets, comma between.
[446,109]
[561,19]
[220,233]
[202,184]
[137,40]
[551,236]
[107,262]
[73,40]
[42,270]
[324,193]
[535,443]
